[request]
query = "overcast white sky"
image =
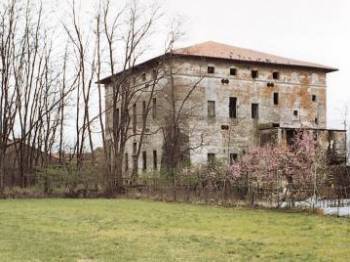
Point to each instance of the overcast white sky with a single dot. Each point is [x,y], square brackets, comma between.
[311,30]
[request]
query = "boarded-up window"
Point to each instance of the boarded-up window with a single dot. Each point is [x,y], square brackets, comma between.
[211,109]
[275,98]
[155,160]
[255,111]
[211,70]
[233,107]
[154,108]
[144,160]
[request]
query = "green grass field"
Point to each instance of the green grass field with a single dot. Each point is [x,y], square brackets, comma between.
[133,230]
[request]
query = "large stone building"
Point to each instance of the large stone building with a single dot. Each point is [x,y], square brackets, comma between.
[242,99]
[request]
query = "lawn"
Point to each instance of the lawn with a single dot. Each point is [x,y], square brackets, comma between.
[135,230]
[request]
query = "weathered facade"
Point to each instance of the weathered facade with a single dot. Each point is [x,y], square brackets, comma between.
[242,99]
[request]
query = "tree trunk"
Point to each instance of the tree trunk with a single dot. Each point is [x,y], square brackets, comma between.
[2,173]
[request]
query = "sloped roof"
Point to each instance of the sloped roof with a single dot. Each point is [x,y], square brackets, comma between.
[213,49]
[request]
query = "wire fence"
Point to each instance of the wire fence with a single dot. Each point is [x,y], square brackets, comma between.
[326,198]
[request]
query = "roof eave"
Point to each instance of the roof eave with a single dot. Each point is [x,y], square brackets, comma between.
[107,80]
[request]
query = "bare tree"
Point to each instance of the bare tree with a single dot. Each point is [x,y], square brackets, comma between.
[123,92]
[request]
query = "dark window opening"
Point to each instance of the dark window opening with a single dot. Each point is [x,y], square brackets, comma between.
[155,160]
[224,127]
[144,111]
[117,117]
[211,70]
[255,74]
[276,75]
[275,98]
[290,136]
[295,113]
[314,98]
[233,71]
[134,148]
[154,74]
[316,121]
[211,109]
[126,161]
[255,111]
[225,81]
[154,108]
[143,77]
[144,160]
[275,125]
[134,118]
[233,158]
[211,158]
[233,107]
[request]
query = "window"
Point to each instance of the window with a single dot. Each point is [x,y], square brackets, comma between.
[134,148]
[233,107]
[154,74]
[144,111]
[316,121]
[276,75]
[155,160]
[211,70]
[295,113]
[211,109]
[143,76]
[117,117]
[233,158]
[224,127]
[225,81]
[255,74]
[233,71]
[134,118]
[126,161]
[255,111]
[144,160]
[211,158]
[275,98]
[154,108]
[314,98]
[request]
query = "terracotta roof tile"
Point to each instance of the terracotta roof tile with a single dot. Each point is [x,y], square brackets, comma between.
[212,49]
